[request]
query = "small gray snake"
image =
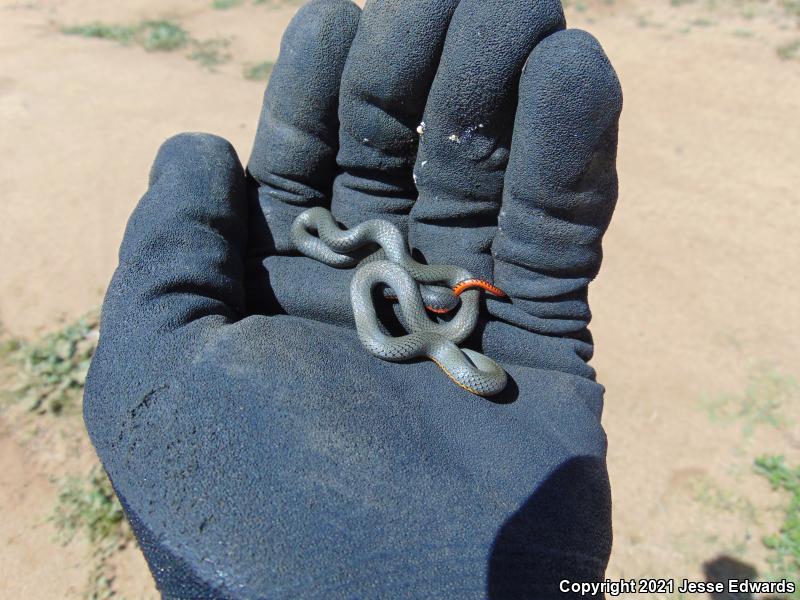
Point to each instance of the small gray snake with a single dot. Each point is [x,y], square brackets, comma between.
[416,286]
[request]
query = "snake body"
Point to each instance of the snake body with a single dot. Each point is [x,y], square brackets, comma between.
[336,247]
[416,287]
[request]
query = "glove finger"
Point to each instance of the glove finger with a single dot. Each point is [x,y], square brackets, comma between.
[385,83]
[561,187]
[181,264]
[467,128]
[294,155]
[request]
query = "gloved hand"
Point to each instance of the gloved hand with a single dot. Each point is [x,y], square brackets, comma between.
[258,449]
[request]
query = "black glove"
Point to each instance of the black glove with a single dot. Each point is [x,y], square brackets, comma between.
[258,449]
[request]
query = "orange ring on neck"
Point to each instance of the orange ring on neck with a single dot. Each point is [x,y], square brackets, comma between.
[471,284]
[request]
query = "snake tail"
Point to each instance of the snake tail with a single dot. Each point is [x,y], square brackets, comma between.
[470,370]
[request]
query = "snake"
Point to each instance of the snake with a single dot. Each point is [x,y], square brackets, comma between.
[417,287]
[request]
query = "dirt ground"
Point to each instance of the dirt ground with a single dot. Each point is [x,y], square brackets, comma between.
[696,310]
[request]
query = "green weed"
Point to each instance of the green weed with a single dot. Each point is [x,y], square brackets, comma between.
[9,345]
[260,71]
[713,496]
[50,372]
[90,508]
[748,13]
[162,35]
[767,392]
[119,33]
[151,35]
[748,9]
[784,546]
[225,4]
[792,7]
[578,6]
[789,51]
[210,53]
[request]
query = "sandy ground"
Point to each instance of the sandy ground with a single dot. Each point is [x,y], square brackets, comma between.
[697,294]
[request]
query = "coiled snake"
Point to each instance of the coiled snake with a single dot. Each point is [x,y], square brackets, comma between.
[416,286]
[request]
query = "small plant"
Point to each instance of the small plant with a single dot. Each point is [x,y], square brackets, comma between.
[151,35]
[792,8]
[767,392]
[162,35]
[789,51]
[9,345]
[119,33]
[260,71]
[784,546]
[51,372]
[225,4]
[210,53]
[90,507]
[716,498]
[577,5]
